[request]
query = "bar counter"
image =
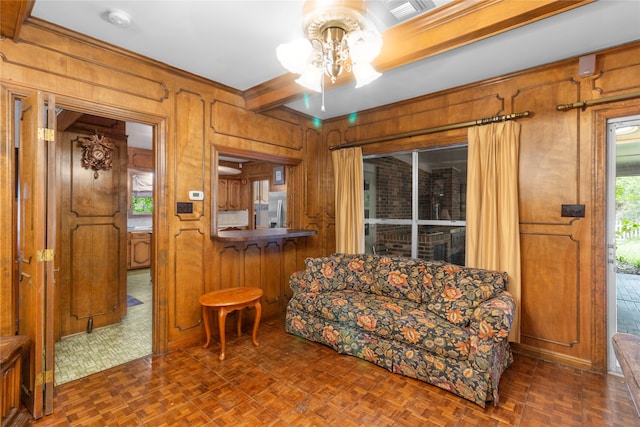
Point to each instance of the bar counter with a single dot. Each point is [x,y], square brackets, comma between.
[262,234]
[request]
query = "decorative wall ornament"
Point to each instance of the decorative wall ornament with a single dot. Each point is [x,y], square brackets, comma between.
[96,153]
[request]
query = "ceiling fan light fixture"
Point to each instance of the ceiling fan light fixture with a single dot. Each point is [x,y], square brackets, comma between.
[364,46]
[311,78]
[227,170]
[626,130]
[339,39]
[364,74]
[295,56]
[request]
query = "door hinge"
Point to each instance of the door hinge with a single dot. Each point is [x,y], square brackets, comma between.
[45,377]
[46,134]
[44,255]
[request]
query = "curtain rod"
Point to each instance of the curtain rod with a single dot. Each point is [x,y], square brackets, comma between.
[588,103]
[479,122]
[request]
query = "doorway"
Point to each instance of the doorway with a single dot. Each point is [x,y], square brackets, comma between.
[623,230]
[95,328]
[102,324]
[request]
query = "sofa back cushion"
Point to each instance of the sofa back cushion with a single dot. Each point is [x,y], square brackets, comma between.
[456,291]
[450,291]
[341,271]
[358,271]
[398,277]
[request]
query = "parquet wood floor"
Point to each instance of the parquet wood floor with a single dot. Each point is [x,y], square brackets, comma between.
[287,381]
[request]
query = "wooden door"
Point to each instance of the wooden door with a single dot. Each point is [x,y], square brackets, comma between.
[35,256]
[92,290]
[223,194]
[234,196]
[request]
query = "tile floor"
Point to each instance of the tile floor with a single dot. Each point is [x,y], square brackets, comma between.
[84,354]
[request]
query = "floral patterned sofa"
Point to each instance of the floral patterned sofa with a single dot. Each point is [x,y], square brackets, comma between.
[440,323]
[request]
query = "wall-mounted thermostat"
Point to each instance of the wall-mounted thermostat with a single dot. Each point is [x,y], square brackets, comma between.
[196,195]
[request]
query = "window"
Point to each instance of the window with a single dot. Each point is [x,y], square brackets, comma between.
[141,193]
[415,204]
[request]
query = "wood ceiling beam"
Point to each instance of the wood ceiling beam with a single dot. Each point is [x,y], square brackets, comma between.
[66,118]
[454,25]
[12,16]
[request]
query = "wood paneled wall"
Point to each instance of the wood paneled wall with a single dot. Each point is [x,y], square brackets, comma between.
[194,119]
[562,161]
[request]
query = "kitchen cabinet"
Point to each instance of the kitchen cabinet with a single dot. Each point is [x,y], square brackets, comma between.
[229,194]
[139,250]
[139,158]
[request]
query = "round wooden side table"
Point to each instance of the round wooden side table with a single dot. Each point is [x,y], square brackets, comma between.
[225,301]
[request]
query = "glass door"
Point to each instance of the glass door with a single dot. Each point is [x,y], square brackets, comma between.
[623,230]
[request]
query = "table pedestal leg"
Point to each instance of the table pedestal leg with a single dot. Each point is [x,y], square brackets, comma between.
[239,322]
[256,322]
[205,317]
[222,317]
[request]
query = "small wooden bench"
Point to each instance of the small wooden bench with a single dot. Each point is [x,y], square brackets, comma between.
[627,348]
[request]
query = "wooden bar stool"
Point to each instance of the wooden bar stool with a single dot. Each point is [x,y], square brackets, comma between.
[226,301]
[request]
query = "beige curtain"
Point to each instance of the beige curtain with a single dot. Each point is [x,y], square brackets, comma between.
[347,170]
[493,233]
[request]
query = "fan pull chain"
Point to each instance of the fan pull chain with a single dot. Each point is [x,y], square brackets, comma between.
[322,107]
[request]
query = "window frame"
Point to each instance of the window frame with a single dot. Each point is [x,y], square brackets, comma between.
[414,222]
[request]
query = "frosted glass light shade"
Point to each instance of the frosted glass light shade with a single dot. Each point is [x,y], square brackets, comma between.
[364,46]
[295,56]
[311,78]
[364,73]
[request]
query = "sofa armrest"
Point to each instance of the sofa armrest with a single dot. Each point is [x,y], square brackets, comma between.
[490,324]
[298,282]
[492,319]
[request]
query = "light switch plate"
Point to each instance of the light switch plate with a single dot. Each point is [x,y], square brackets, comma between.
[572,211]
[184,207]
[196,195]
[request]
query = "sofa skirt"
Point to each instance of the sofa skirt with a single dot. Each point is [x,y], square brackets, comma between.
[456,376]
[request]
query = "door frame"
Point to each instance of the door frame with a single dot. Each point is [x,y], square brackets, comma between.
[594,123]
[610,238]
[159,275]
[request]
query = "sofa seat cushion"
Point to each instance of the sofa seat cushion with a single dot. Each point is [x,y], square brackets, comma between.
[357,310]
[421,328]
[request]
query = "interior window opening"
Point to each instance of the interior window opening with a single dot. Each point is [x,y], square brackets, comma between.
[252,193]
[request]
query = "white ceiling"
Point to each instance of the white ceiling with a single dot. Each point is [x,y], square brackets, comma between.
[234,42]
[139,135]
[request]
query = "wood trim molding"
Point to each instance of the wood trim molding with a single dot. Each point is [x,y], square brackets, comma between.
[424,36]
